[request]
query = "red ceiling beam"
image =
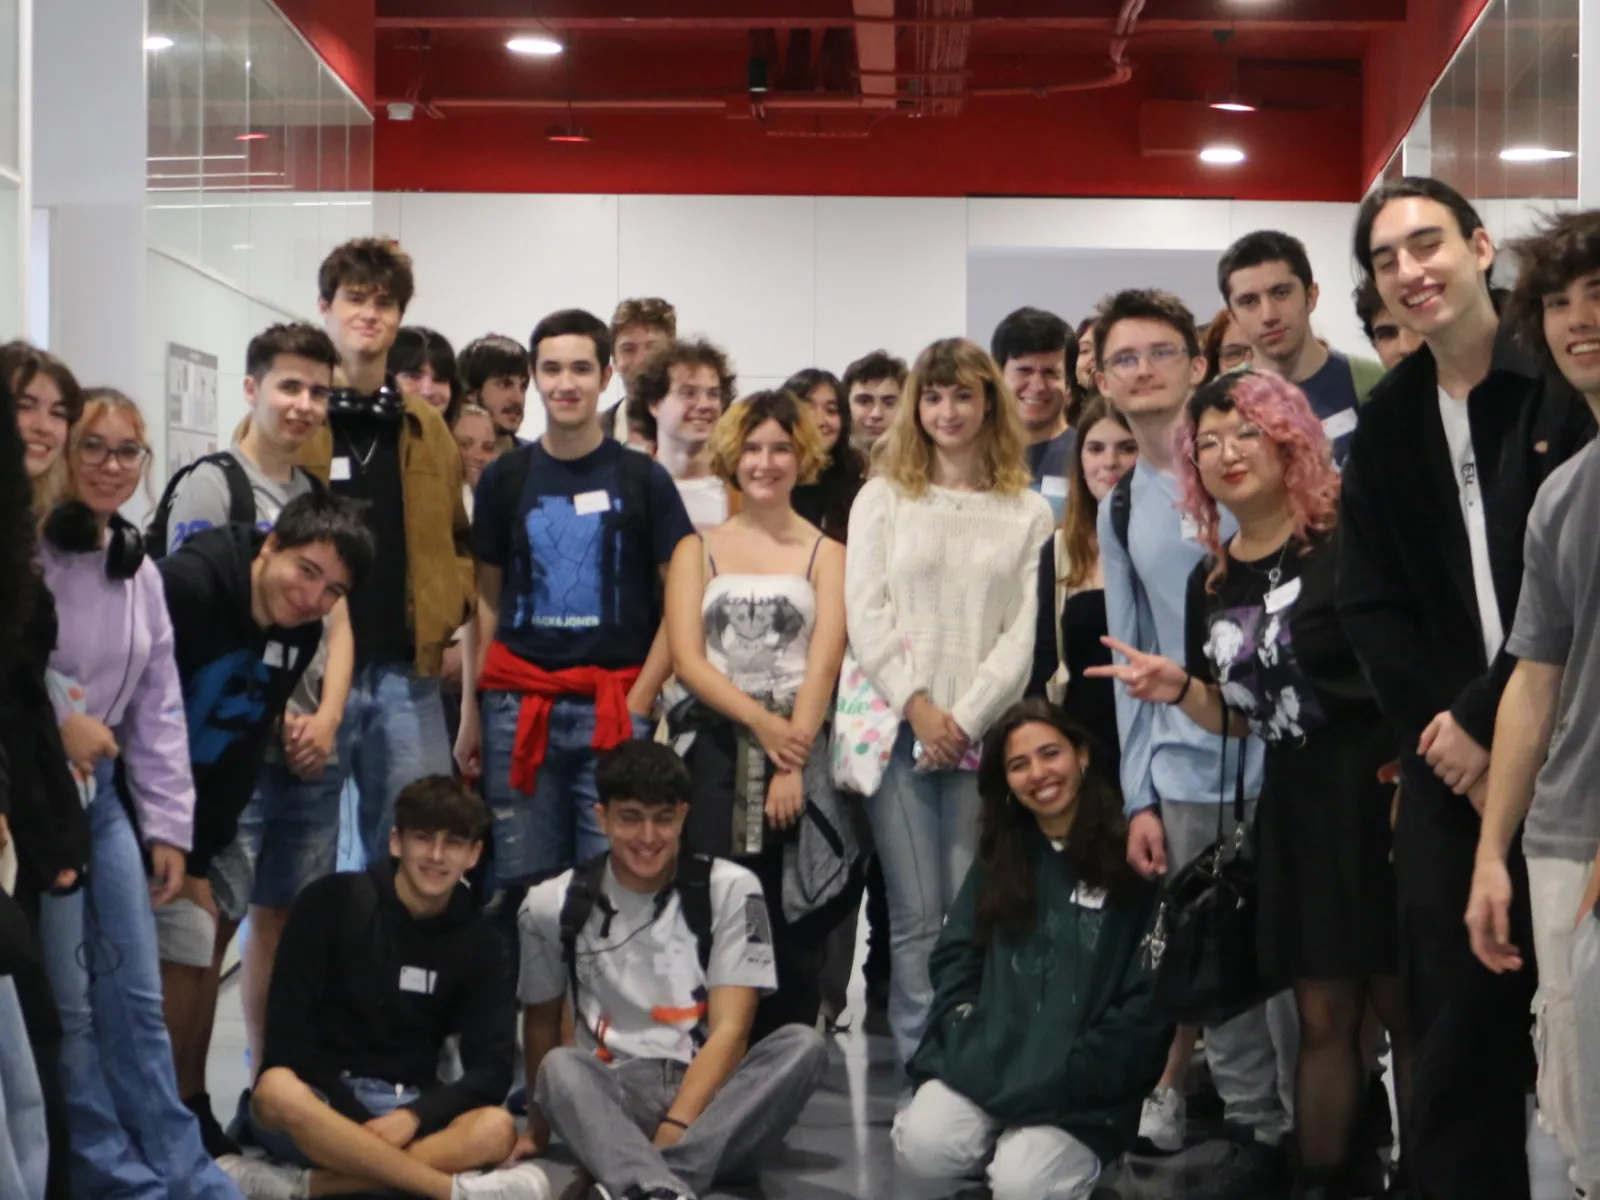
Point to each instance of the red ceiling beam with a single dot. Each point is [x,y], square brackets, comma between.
[669,15]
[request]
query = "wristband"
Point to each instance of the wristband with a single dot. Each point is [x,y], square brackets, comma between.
[674,1121]
[1188,680]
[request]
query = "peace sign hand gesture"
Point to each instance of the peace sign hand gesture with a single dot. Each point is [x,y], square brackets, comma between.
[1148,677]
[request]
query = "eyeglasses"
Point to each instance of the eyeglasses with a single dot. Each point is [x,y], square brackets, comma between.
[1244,440]
[1126,362]
[96,452]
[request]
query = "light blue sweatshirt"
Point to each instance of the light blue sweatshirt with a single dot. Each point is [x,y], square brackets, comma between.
[1165,755]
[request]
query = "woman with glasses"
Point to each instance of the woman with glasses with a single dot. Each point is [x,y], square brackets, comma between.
[131,1136]
[940,601]
[1224,345]
[1267,655]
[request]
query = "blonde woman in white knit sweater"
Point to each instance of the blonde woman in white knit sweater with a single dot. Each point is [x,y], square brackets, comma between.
[940,598]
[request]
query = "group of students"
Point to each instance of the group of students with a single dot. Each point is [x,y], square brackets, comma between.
[1220,565]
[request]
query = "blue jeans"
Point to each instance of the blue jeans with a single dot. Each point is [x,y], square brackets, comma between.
[542,835]
[24,1144]
[288,837]
[394,723]
[926,826]
[132,1138]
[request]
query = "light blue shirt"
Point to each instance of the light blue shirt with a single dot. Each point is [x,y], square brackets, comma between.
[1165,755]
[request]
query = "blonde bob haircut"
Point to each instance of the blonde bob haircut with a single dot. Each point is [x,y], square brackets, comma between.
[745,416]
[905,454]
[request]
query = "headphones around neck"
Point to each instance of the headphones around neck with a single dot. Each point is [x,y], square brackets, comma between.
[385,404]
[71,527]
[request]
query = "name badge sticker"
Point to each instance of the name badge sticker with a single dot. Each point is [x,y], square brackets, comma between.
[1053,485]
[1339,424]
[339,472]
[1190,528]
[273,654]
[417,981]
[1280,598]
[587,504]
[1087,897]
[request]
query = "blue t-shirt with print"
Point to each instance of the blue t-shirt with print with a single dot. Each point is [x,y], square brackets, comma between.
[580,545]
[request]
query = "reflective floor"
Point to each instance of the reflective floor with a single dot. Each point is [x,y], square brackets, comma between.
[841,1147]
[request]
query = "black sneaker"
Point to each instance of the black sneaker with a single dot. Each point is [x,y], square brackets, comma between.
[241,1130]
[217,1143]
[1255,1171]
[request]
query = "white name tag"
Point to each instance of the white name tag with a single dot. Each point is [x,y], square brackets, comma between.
[1087,897]
[339,472]
[588,503]
[1190,528]
[1053,485]
[417,981]
[273,654]
[1280,598]
[1339,424]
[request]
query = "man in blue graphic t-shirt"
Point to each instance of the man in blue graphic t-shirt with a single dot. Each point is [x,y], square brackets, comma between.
[573,535]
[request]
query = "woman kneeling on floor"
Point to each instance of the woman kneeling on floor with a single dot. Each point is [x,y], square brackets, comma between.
[1043,1039]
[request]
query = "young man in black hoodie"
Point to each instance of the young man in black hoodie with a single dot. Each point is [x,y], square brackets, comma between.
[247,611]
[376,969]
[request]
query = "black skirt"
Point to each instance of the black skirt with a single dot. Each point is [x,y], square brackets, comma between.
[1327,890]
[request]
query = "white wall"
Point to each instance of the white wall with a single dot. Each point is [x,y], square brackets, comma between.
[785,282]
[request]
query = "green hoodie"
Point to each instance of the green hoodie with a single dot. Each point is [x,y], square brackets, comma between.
[1056,1027]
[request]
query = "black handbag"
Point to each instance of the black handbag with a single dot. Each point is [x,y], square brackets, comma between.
[1202,945]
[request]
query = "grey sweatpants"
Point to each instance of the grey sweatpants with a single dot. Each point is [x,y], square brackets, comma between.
[607,1114]
[1252,1057]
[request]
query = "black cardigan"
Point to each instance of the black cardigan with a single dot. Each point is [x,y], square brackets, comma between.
[1405,589]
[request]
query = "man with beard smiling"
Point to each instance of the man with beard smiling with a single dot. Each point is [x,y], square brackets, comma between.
[1446,458]
[1038,355]
[494,372]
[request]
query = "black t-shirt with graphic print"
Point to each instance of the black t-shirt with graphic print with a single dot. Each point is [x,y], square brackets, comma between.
[1291,670]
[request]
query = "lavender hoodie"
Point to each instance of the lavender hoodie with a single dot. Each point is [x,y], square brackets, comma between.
[116,642]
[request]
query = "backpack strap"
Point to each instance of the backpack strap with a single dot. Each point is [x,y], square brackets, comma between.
[693,886]
[633,482]
[241,496]
[1122,507]
[241,499]
[511,481]
[583,894]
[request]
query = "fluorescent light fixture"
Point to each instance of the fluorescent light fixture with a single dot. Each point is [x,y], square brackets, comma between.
[157,41]
[243,246]
[1233,106]
[251,137]
[541,46]
[568,133]
[1527,154]
[1222,155]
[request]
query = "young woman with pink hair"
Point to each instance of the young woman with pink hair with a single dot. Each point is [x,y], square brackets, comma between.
[1267,655]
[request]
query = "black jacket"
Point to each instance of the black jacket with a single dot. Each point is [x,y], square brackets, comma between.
[36,786]
[361,987]
[237,676]
[1405,588]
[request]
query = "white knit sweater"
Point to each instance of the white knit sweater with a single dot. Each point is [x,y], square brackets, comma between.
[940,594]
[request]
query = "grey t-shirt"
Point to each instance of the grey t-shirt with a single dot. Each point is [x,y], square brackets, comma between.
[1558,622]
[201,502]
[642,990]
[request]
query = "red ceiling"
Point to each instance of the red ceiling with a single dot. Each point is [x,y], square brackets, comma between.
[661,88]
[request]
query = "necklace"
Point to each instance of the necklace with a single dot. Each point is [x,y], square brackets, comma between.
[1275,572]
[361,459]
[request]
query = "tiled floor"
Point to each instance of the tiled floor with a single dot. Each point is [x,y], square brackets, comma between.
[841,1148]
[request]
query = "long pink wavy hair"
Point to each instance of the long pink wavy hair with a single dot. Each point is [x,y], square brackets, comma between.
[1282,412]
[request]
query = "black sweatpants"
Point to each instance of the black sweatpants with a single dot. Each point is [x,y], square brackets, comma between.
[22,959]
[1474,1056]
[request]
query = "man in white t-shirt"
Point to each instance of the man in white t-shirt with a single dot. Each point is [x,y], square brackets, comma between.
[686,387]
[661,1095]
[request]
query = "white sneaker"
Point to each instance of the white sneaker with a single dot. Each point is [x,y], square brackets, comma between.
[525,1181]
[258,1179]
[1163,1121]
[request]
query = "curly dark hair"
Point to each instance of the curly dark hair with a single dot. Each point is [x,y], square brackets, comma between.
[1562,248]
[648,772]
[17,532]
[1096,847]
[654,380]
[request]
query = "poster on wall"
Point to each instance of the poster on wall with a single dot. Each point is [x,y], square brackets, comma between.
[191,406]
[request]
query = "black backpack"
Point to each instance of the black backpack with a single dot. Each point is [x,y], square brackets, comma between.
[585,893]
[241,499]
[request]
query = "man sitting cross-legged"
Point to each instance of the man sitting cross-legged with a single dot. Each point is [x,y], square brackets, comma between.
[662,1095]
[376,969]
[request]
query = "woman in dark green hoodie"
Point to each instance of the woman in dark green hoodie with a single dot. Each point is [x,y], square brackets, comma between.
[1043,1040]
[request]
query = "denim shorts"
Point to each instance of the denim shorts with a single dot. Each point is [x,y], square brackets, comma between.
[288,837]
[378,1096]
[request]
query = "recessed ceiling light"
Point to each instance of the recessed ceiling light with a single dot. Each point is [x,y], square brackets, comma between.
[1233,106]
[157,42]
[251,137]
[541,46]
[1523,154]
[1222,155]
[571,134]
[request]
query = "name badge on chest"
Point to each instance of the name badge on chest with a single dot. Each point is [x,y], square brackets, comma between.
[1088,897]
[587,504]
[1281,597]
